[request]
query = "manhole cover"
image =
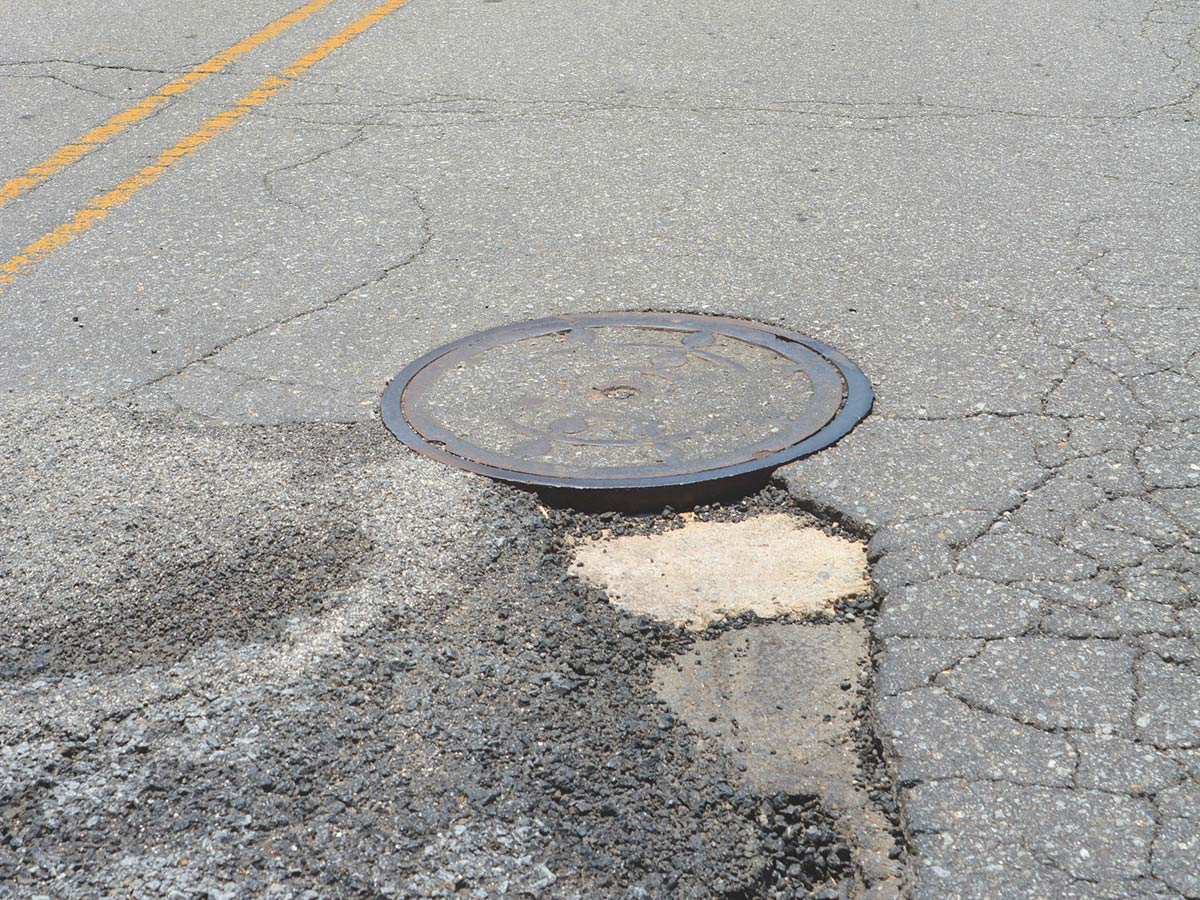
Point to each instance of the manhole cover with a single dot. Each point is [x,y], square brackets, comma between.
[627,410]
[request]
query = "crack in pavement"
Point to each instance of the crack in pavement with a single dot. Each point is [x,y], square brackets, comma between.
[424,239]
[268,177]
[60,80]
[379,276]
[1099,482]
[100,66]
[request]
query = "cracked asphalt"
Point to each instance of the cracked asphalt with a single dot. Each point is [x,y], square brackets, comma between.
[256,648]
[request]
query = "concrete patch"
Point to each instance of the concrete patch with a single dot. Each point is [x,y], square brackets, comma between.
[775,695]
[770,565]
[782,699]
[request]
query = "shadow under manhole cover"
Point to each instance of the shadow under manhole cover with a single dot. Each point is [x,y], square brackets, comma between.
[627,411]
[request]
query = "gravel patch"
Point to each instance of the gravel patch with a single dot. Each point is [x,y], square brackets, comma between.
[308,673]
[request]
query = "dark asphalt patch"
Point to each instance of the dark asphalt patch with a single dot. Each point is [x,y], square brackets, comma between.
[158,603]
[493,728]
[802,852]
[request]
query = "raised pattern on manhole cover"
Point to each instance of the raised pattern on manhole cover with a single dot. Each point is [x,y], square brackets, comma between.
[626,401]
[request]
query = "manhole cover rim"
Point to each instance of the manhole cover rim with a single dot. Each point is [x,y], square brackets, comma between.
[856,403]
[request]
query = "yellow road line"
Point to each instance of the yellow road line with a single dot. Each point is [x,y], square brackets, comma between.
[102,134]
[99,207]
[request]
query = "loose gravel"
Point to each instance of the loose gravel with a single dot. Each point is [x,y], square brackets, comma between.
[263,662]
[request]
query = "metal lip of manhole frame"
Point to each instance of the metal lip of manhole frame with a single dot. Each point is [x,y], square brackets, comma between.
[640,492]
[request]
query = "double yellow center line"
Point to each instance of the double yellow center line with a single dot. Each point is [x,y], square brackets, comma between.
[102,134]
[98,208]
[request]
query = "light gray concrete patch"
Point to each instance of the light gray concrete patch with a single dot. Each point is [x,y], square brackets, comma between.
[698,575]
[781,699]
[774,695]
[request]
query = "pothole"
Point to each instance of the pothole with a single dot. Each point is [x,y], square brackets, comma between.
[769,566]
[776,675]
[779,696]
[785,700]
[805,855]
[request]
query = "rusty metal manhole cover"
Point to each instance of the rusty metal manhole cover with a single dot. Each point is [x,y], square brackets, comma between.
[627,410]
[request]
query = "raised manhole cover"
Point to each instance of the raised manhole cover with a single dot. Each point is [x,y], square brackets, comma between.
[627,410]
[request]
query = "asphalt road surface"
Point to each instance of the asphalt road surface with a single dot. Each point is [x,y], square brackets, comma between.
[254,647]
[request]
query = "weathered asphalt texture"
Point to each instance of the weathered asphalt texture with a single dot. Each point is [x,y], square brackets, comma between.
[994,208]
[259,682]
